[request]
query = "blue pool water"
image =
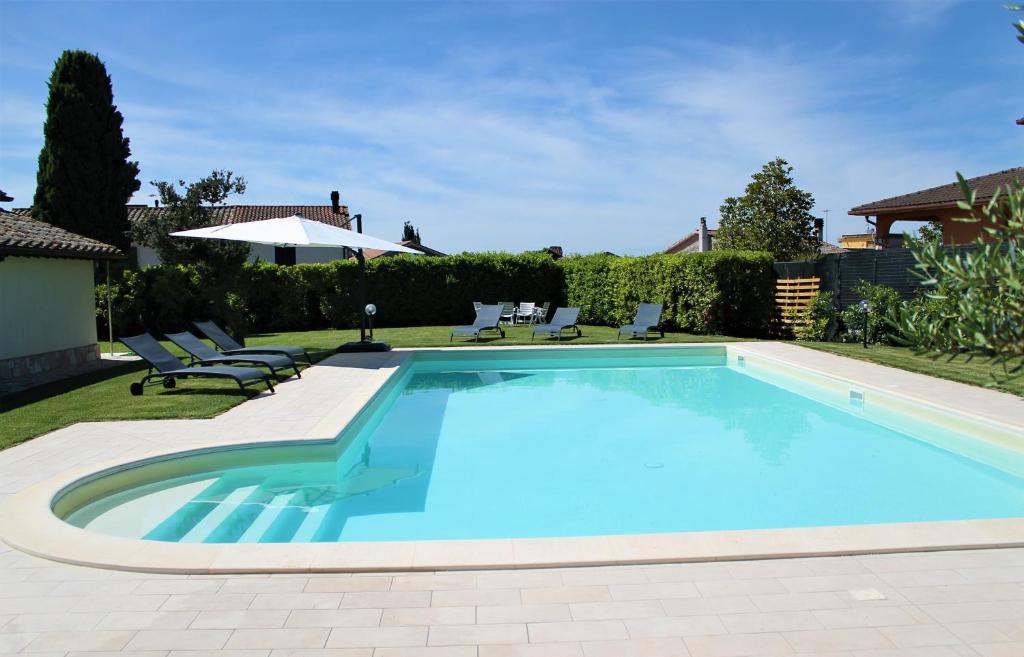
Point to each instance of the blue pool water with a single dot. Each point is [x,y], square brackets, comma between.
[474,448]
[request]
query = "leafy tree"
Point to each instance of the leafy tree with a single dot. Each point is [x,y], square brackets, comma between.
[977,299]
[979,295]
[187,206]
[773,215]
[930,232]
[410,233]
[84,177]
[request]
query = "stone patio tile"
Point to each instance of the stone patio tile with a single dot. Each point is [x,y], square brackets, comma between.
[297,601]
[385,599]
[702,606]
[524,579]
[438,582]
[81,640]
[523,613]
[427,651]
[147,620]
[798,601]
[864,617]
[975,611]
[323,652]
[616,610]
[211,601]
[216,653]
[838,639]
[333,618]
[228,619]
[913,636]
[712,588]
[578,631]
[609,575]
[686,572]
[53,621]
[532,650]
[346,584]
[159,586]
[1014,649]
[653,591]
[12,642]
[179,639]
[129,602]
[566,594]
[377,637]
[660,647]
[738,645]
[772,621]
[907,578]
[429,616]
[278,638]
[478,598]
[265,585]
[641,628]
[466,635]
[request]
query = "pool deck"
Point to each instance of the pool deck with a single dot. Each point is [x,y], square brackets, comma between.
[925,603]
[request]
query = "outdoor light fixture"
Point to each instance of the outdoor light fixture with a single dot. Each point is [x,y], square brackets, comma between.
[864,305]
[370,310]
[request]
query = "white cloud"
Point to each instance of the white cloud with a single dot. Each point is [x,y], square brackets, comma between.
[502,150]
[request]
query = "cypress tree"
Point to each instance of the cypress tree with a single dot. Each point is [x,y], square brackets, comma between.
[84,178]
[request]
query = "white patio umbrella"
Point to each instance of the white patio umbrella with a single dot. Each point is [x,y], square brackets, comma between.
[294,231]
[297,230]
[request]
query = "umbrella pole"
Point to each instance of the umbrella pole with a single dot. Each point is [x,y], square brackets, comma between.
[363,345]
[110,314]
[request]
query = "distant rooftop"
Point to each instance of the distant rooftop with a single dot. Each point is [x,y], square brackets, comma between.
[21,235]
[237,214]
[943,195]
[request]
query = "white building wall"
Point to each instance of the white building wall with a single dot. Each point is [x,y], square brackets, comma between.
[46,304]
[147,257]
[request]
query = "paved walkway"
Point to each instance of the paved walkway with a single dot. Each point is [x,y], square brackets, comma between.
[928,604]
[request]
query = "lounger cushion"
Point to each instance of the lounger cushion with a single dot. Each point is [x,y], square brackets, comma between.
[238,373]
[267,359]
[294,352]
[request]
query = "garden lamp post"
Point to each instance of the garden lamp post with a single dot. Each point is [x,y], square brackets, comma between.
[371,310]
[864,314]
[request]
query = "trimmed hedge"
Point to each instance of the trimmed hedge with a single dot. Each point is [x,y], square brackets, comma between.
[719,292]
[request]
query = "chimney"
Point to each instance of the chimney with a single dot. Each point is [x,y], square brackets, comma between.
[819,229]
[703,243]
[555,251]
[335,202]
[156,203]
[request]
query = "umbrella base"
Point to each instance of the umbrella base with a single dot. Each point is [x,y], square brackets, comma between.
[361,347]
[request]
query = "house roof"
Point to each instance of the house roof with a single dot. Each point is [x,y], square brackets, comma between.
[829,247]
[370,254]
[688,239]
[941,196]
[21,235]
[4,198]
[236,214]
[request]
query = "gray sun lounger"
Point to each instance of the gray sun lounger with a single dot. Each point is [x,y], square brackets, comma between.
[169,368]
[229,345]
[487,318]
[565,318]
[206,355]
[648,319]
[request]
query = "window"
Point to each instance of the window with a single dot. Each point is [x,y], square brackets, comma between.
[284,255]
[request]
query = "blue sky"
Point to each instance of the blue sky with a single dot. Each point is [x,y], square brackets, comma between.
[595,126]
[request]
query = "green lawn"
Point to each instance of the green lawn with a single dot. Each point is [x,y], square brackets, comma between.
[976,372]
[104,395]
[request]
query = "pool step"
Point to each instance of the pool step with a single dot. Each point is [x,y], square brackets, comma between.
[265,519]
[202,529]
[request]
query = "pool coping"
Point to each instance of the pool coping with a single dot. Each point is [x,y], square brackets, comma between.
[29,524]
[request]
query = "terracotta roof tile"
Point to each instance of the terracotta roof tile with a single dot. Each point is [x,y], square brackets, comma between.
[22,235]
[943,195]
[236,214]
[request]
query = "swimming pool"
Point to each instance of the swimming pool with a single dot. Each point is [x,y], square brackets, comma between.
[554,443]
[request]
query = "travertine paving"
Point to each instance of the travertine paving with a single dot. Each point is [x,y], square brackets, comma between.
[924,604]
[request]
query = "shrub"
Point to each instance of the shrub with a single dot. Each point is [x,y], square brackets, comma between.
[883,307]
[719,292]
[819,314]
